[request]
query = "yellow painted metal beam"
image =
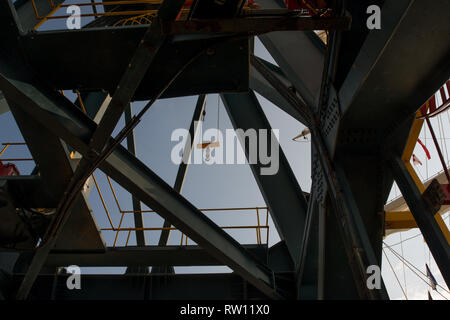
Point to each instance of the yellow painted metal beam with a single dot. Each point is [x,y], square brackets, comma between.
[413,136]
[404,219]
[399,220]
[421,187]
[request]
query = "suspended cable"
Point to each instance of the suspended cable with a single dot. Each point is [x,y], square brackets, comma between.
[441,131]
[425,252]
[424,280]
[448,117]
[420,175]
[432,138]
[410,238]
[409,265]
[395,274]
[426,162]
[404,271]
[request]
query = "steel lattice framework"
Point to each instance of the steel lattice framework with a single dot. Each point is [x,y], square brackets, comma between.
[358,94]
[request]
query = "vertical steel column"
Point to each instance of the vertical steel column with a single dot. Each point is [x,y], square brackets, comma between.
[321,252]
[358,258]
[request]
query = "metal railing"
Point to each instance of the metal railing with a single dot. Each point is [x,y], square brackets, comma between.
[6,145]
[184,240]
[144,16]
[262,213]
[262,219]
[95,13]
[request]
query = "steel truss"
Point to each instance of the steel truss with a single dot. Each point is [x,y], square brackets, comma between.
[330,237]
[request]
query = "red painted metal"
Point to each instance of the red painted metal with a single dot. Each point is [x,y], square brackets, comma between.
[438,148]
[431,107]
[300,4]
[446,188]
[433,110]
[292,4]
[8,169]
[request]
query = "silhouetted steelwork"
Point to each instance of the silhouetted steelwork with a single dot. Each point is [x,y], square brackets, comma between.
[357,94]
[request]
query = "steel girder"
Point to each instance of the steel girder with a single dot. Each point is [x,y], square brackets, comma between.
[361,81]
[3,104]
[155,256]
[55,169]
[90,69]
[307,271]
[81,72]
[253,26]
[280,191]
[182,170]
[410,36]
[142,58]
[183,167]
[26,13]
[144,184]
[69,123]
[260,85]
[377,102]
[138,218]
[325,180]
[95,104]
[228,286]
[9,33]
[301,57]
[424,216]
[396,70]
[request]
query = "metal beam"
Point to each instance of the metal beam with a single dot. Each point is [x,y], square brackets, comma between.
[303,67]
[260,85]
[306,271]
[143,57]
[424,216]
[371,244]
[95,104]
[9,28]
[372,49]
[148,256]
[154,192]
[135,72]
[254,25]
[183,167]
[69,123]
[55,169]
[137,207]
[27,15]
[402,90]
[321,250]
[298,105]
[54,166]
[3,104]
[90,70]
[358,258]
[287,204]
[138,219]
[228,286]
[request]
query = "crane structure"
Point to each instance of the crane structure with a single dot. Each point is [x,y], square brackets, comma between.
[360,92]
